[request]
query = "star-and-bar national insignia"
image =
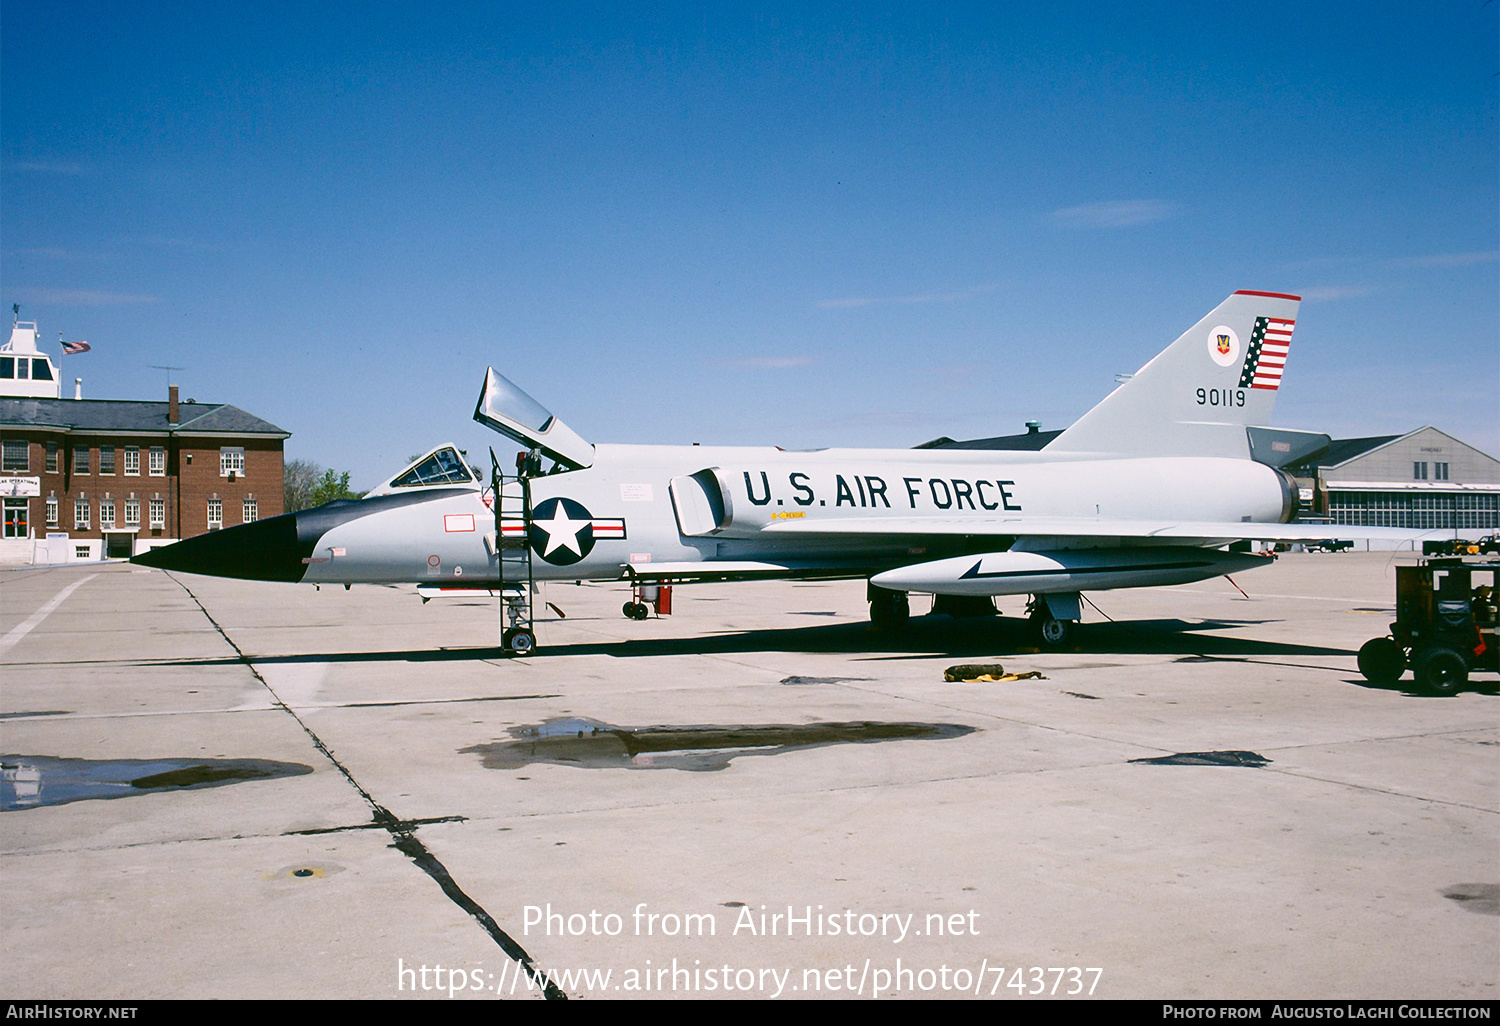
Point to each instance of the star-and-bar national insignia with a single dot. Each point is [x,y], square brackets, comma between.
[1265,356]
[564,531]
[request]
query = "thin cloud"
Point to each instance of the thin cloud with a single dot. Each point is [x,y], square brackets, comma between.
[82,297]
[771,362]
[853,302]
[178,243]
[1315,263]
[58,253]
[1113,214]
[46,167]
[1449,259]
[1328,293]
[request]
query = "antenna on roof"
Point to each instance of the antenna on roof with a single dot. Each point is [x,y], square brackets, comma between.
[169,370]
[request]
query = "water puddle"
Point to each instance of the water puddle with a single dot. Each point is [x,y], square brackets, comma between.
[31,781]
[796,680]
[1208,759]
[576,741]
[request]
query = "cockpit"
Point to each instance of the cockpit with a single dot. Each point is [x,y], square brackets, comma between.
[442,467]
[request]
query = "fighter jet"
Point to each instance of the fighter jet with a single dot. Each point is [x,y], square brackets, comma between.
[1168,480]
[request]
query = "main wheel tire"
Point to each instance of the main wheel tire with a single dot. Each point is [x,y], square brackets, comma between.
[1050,631]
[889,610]
[1441,671]
[1382,661]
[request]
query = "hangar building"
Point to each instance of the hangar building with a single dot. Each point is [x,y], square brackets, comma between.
[1425,479]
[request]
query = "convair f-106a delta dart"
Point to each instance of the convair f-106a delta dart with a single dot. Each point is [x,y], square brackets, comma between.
[1166,481]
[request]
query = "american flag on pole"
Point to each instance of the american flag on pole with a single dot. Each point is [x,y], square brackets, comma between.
[1265,356]
[74,348]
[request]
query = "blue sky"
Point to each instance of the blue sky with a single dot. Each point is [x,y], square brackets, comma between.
[845,225]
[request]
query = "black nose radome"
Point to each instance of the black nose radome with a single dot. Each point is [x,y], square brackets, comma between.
[266,550]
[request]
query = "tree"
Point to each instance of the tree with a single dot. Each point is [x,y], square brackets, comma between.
[307,484]
[333,485]
[300,477]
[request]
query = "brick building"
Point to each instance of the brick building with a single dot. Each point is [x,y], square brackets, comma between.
[96,478]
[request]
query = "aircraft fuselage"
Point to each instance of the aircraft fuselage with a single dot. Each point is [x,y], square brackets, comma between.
[691,504]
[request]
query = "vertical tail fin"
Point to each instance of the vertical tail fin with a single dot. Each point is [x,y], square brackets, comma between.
[1197,397]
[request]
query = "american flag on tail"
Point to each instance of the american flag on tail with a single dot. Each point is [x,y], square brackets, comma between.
[1265,357]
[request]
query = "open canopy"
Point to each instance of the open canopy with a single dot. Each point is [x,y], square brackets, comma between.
[517,416]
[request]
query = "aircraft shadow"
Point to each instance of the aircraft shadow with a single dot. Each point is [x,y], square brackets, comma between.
[926,636]
[943,635]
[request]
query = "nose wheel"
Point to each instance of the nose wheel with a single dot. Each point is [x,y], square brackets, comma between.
[518,641]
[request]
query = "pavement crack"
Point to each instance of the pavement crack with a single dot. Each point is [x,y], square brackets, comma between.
[403,832]
[407,824]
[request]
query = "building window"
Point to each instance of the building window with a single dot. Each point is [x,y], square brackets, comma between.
[1418,510]
[17,524]
[132,512]
[133,460]
[51,457]
[16,457]
[252,511]
[1419,470]
[1440,471]
[157,461]
[106,513]
[106,459]
[80,552]
[51,511]
[80,459]
[158,510]
[231,461]
[215,514]
[80,514]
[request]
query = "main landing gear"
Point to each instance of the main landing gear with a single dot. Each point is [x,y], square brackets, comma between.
[1053,618]
[889,610]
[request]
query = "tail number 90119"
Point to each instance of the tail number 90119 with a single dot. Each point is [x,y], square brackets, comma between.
[1221,397]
